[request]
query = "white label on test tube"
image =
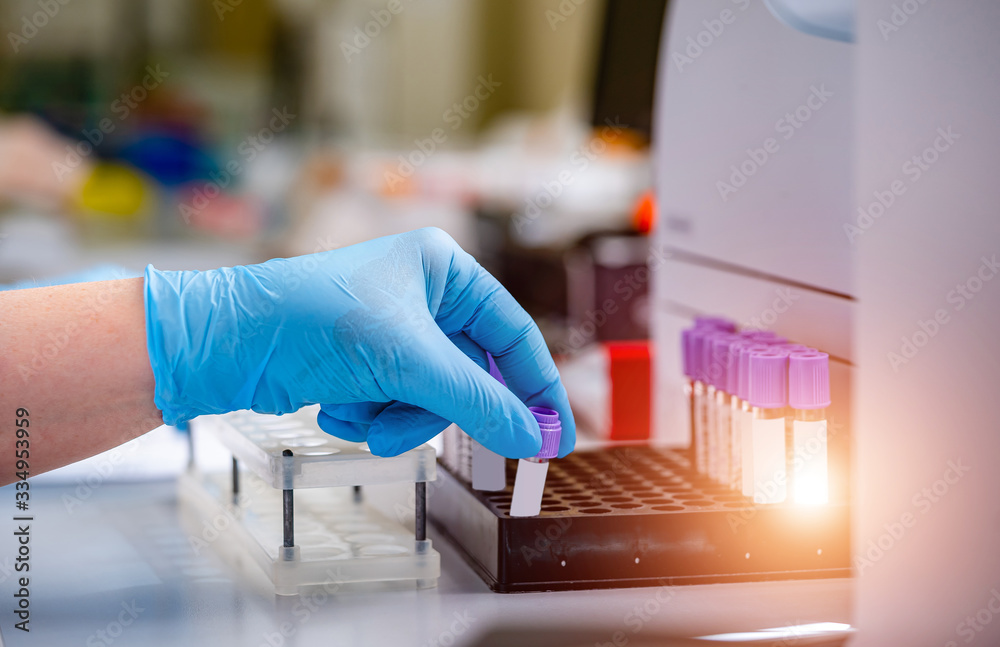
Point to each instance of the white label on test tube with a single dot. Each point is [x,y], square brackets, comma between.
[722,437]
[711,433]
[769,476]
[529,486]
[700,442]
[810,461]
[746,451]
[488,469]
[735,445]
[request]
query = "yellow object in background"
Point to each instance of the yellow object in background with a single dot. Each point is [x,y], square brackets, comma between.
[113,190]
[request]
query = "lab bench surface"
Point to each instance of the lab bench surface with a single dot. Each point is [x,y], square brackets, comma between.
[118,567]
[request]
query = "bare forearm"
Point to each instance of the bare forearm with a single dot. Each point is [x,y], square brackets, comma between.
[75,357]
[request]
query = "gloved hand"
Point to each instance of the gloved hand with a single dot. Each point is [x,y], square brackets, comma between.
[389,336]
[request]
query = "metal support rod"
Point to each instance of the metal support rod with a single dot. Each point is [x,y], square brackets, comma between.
[420,518]
[357,494]
[190,444]
[288,512]
[236,480]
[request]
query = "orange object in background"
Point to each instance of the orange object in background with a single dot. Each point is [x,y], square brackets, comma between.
[644,216]
[629,365]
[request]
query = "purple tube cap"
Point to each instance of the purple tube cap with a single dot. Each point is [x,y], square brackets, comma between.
[769,379]
[743,369]
[718,323]
[792,348]
[809,380]
[687,352]
[697,341]
[719,359]
[551,429]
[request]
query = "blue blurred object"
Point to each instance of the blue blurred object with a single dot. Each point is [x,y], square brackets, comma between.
[389,336]
[171,159]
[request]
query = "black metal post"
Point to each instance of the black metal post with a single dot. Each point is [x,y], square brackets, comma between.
[236,480]
[288,512]
[420,518]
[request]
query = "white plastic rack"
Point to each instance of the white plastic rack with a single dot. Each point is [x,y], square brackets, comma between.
[298,510]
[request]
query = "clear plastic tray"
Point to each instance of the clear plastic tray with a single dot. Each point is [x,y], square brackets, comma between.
[318,460]
[338,540]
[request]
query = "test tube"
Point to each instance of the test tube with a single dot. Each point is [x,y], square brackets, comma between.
[701,398]
[489,471]
[719,445]
[688,363]
[746,417]
[735,406]
[709,370]
[769,401]
[529,481]
[700,415]
[808,398]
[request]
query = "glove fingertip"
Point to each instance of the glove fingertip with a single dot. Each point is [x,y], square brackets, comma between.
[354,432]
[516,436]
[383,447]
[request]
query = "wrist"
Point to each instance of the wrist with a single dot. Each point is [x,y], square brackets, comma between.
[208,344]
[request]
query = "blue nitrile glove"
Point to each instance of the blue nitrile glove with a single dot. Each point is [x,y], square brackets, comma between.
[390,336]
